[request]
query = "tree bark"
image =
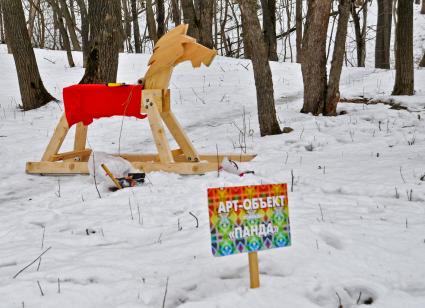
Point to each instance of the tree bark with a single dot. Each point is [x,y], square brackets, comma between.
[105,39]
[84,30]
[70,25]
[269,28]
[127,25]
[199,17]
[262,73]
[150,20]
[2,34]
[383,34]
[404,77]
[313,62]
[332,92]
[423,7]
[299,28]
[31,86]
[31,17]
[160,18]
[189,17]
[206,10]
[246,43]
[62,30]
[136,30]
[175,12]
[360,31]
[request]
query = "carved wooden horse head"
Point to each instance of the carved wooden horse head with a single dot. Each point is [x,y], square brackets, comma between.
[173,48]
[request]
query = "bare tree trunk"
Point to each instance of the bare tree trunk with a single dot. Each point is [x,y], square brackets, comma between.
[84,30]
[150,19]
[246,43]
[313,62]
[423,7]
[332,92]
[199,17]
[189,17]
[299,28]
[70,25]
[404,77]
[2,35]
[136,30]
[105,39]
[65,38]
[31,16]
[269,28]
[31,86]
[206,10]
[360,31]
[262,73]
[127,26]
[160,18]
[176,12]
[62,30]
[41,26]
[383,34]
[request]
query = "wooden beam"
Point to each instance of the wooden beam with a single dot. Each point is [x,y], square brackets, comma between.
[180,168]
[231,156]
[47,167]
[80,137]
[150,102]
[180,136]
[57,139]
[72,154]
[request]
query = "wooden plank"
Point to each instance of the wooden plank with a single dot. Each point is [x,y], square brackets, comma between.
[150,104]
[47,167]
[139,157]
[80,137]
[231,156]
[73,154]
[57,139]
[180,136]
[149,157]
[180,168]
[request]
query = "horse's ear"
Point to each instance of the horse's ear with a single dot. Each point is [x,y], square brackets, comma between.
[179,30]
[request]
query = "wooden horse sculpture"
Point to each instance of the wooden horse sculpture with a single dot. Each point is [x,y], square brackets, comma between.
[172,49]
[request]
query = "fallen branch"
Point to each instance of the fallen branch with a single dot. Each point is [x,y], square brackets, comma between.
[35,260]
[372,101]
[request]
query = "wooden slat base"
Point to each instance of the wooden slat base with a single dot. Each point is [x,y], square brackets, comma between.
[46,167]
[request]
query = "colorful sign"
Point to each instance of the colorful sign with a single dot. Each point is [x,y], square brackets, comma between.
[248,218]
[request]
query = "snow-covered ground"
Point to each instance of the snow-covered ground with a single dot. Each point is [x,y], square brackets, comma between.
[357,208]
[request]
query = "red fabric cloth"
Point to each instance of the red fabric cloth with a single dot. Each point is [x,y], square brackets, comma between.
[85,102]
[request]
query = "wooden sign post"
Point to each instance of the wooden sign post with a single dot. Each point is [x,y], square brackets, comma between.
[247,219]
[254,273]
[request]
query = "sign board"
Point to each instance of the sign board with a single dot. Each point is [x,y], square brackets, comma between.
[248,218]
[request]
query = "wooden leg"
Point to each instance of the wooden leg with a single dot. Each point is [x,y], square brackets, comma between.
[80,137]
[180,136]
[158,131]
[57,139]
